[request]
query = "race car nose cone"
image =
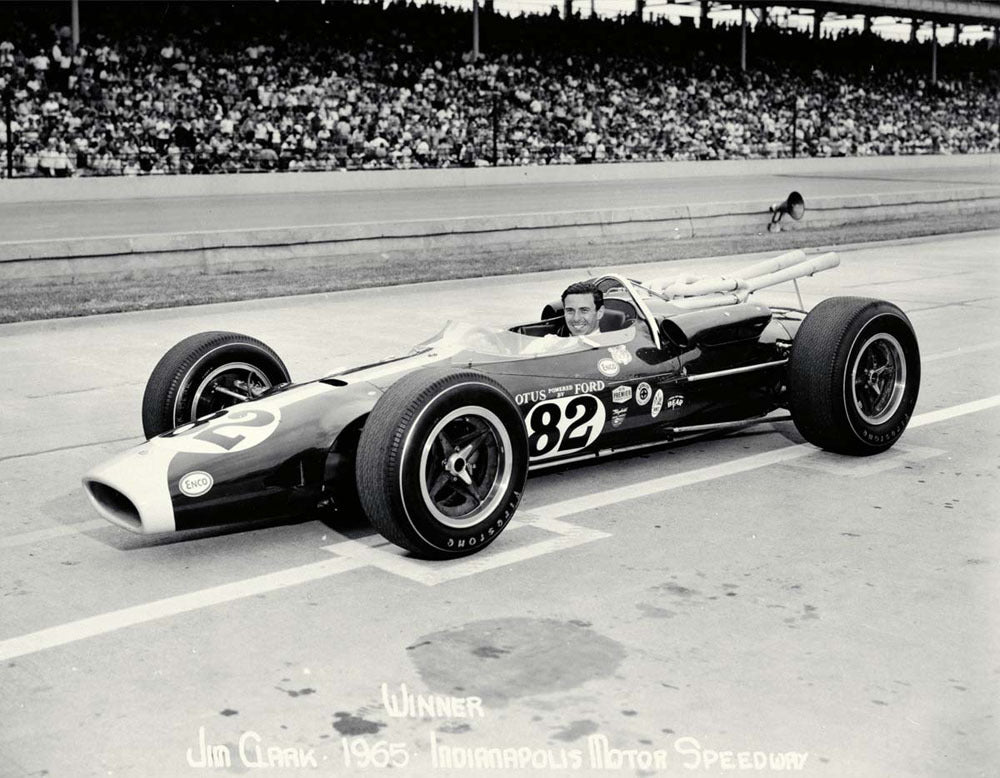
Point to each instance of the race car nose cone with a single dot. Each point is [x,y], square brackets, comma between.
[133,494]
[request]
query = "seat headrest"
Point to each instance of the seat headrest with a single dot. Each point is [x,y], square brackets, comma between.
[612,320]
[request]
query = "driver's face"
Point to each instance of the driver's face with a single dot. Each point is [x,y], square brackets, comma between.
[582,316]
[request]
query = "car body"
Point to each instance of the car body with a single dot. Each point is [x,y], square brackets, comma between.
[660,369]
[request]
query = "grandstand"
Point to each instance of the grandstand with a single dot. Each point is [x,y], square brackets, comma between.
[313,86]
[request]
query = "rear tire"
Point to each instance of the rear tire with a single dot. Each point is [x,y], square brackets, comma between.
[442,462]
[206,373]
[854,375]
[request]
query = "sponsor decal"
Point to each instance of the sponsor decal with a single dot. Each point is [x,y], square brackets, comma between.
[562,425]
[675,401]
[620,354]
[618,416]
[657,405]
[196,483]
[608,367]
[622,394]
[643,393]
[540,395]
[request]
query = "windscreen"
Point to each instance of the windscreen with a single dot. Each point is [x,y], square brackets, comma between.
[493,343]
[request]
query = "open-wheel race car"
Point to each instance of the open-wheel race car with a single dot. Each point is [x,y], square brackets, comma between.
[435,446]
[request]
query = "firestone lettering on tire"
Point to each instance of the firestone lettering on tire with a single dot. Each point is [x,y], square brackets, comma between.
[489,532]
[891,434]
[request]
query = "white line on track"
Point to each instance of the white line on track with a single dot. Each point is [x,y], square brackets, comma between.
[675,481]
[933,417]
[961,351]
[393,560]
[172,606]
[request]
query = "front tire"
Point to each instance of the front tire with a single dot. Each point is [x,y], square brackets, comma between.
[854,375]
[205,373]
[442,462]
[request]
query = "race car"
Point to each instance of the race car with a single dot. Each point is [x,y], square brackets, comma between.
[435,446]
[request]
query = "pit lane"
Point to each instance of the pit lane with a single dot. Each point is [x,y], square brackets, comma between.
[839,608]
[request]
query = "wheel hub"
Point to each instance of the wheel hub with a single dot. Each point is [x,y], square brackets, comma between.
[230,383]
[879,378]
[456,465]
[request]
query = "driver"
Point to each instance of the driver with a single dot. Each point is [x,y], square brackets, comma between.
[583,307]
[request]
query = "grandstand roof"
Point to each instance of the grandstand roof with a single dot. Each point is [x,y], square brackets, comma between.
[985,12]
[963,11]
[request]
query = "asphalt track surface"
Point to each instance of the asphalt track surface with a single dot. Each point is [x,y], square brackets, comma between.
[30,221]
[751,594]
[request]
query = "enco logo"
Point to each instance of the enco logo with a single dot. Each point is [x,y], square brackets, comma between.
[195,483]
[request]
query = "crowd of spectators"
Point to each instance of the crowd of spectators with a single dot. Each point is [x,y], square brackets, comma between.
[344,86]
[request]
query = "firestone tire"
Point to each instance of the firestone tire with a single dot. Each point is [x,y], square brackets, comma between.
[206,373]
[854,375]
[442,462]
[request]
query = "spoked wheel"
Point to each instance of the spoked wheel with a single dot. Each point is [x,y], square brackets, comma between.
[466,465]
[442,461]
[854,375]
[878,378]
[206,373]
[233,382]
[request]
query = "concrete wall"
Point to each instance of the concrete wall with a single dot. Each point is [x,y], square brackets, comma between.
[267,247]
[121,188]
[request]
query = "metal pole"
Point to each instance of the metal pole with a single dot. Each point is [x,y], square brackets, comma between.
[795,126]
[743,37]
[496,122]
[76,25]
[475,28]
[8,113]
[933,52]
